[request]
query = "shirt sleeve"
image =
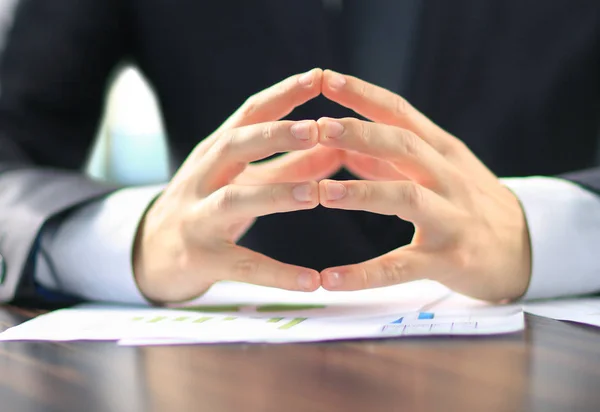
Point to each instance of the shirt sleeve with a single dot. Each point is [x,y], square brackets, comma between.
[564,228]
[88,253]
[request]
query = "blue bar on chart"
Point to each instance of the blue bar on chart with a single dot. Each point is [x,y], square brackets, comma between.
[425,315]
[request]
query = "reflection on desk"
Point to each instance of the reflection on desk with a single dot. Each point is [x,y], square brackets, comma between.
[552,366]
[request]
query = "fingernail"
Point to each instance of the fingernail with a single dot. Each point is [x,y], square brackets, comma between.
[306,79]
[336,81]
[302,193]
[301,131]
[335,190]
[333,129]
[334,280]
[305,281]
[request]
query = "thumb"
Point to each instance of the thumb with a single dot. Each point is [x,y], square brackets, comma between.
[402,265]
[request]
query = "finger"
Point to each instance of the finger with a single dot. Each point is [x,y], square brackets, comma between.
[270,104]
[399,266]
[278,100]
[313,164]
[405,199]
[244,265]
[382,106]
[238,147]
[371,168]
[235,202]
[410,155]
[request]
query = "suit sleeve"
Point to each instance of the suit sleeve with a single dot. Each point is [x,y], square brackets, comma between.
[56,59]
[589,179]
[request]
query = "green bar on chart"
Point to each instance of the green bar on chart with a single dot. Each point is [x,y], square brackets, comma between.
[157,319]
[213,308]
[181,319]
[202,319]
[274,320]
[285,307]
[230,318]
[293,323]
[137,318]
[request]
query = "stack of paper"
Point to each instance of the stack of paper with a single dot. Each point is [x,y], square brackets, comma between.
[580,310]
[234,312]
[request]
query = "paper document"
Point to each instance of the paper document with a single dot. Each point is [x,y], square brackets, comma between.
[581,310]
[234,312]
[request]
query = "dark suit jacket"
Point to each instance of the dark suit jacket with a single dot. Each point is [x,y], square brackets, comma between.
[517,80]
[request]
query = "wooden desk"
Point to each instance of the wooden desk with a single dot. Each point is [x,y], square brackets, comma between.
[552,366]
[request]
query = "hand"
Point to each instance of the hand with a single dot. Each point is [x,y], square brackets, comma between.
[470,231]
[186,241]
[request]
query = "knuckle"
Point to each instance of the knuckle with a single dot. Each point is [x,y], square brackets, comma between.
[246,269]
[361,191]
[226,143]
[364,132]
[268,131]
[281,89]
[274,194]
[451,146]
[225,199]
[409,143]
[187,262]
[393,271]
[461,259]
[363,90]
[412,195]
[401,106]
[365,277]
[250,105]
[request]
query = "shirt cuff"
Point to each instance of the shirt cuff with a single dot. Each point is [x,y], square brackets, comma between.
[564,228]
[89,254]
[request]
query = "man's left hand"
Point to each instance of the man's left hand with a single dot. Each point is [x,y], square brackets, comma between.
[470,231]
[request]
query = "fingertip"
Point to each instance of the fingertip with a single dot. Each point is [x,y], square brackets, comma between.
[330,191]
[305,132]
[309,281]
[318,76]
[311,80]
[329,129]
[333,82]
[332,279]
[324,85]
[314,131]
[307,193]
[321,190]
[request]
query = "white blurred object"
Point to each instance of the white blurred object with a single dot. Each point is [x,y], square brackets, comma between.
[131,147]
[7,14]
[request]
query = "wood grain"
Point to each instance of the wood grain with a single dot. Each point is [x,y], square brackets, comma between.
[552,366]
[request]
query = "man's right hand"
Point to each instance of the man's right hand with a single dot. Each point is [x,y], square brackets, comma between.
[186,241]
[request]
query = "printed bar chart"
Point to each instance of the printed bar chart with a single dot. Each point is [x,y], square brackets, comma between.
[291,322]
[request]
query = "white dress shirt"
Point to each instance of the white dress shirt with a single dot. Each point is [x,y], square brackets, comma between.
[564,227]
[91,250]
[88,254]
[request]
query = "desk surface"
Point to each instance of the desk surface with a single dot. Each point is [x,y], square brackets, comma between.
[552,366]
